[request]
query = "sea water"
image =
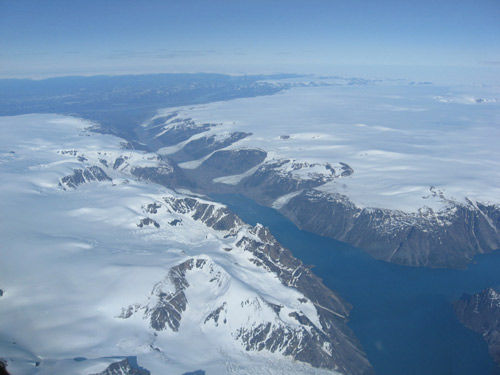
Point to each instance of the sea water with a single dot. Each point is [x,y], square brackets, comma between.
[403,316]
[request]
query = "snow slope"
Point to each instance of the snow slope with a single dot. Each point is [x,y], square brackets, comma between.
[106,268]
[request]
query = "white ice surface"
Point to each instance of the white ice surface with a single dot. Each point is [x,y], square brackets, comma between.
[399,139]
[71,260]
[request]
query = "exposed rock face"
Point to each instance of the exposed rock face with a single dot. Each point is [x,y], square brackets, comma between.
[169,130]
[175,222]
[166,174]
[230,162]
[203,146]
[173,130]
[141,165]
[481,313]
[127,366]
[324,341]
[152,208]
[278,177]
[448,238]
[3,368]
[148,221]
[167,311]
[82,176]
[118,162]
[218,218]
[346,170]
[323,346]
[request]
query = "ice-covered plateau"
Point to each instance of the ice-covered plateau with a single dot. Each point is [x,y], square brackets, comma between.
[104,272]
[399,172]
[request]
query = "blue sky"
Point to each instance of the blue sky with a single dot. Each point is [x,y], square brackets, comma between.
[43,38]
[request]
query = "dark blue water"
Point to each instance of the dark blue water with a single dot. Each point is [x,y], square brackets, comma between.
[402,315]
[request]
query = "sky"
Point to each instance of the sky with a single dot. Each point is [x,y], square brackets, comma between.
[48,38]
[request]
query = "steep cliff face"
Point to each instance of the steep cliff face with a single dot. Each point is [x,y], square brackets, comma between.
[227,163]
[448,238]
[278,177]
[481,313]
[203,146]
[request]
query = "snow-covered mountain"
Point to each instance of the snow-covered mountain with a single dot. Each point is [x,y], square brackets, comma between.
[409,177]
[106,272]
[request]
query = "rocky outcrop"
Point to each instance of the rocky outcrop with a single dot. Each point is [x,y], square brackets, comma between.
[278,177]
[166,174]
[170,130]
[147,222]
[138,164]
[481,313]
[167,311]
[229,162]
[118,162]
[152,208]
[200,147]
[82,176]
[213,216]
[127,366]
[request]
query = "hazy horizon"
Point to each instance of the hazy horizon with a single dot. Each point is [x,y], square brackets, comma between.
[388,39]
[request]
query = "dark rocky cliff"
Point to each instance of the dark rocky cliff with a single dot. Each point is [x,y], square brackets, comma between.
[481,313]
[447,238]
